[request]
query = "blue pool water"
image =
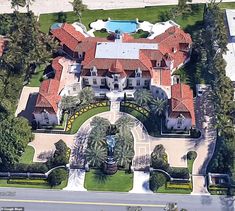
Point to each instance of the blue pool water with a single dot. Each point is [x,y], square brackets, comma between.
[122,26]
[56,25]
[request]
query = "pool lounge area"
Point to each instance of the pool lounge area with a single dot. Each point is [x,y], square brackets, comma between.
[132,26]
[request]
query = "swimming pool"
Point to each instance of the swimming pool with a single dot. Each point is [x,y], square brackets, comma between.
[122,26]
[56,25]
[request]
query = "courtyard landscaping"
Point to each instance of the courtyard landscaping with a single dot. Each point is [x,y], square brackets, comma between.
[96,180]
[76,121]
[36,77]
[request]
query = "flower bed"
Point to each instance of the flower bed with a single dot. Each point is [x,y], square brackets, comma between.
[76,120]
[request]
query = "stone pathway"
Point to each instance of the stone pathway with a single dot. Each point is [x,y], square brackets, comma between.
[76,180]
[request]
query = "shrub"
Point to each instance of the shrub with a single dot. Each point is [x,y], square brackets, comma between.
[61,155]
[33,168]
[160,164]
[28,181]
[157,180]
[177,172]
[57,176]
[175,185]
[191,155]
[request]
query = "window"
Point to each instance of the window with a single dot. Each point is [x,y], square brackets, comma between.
[130,82]
[94,81]
[93,73]
[115,78]
[138,83]
[157,91]
[102,81]
[146,83]
[85,81]
[74,89]
[138,73]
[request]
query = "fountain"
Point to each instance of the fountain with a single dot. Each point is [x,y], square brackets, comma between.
[110,166]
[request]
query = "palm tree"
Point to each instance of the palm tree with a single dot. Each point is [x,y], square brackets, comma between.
[18,3]
[29,2]
[87,95]
[96,155]
[158,106]
[78,8]
[124,154]
[143,97]
[100,123]
[69,103]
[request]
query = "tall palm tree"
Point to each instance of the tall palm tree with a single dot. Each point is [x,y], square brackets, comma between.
[100,123]
[78,8]
[143,97]
[96,155]
[125,121]
[18,3]
[87,95]
[158,106]
[124,154]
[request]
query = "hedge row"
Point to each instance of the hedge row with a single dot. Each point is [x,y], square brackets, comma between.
[24,168]
[28,181]
[174,185]
[83,110]
[178,172]
[136,107]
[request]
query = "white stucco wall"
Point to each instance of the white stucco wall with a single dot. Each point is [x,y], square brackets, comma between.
[53,119]
[172,122]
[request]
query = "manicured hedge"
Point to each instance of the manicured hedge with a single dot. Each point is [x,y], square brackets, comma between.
[178,172]
[32,168]
[28,181]
[175,185]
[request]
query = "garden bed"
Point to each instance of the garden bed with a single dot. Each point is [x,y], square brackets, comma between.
[76,121]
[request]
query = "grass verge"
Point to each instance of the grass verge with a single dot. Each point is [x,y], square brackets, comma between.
[95,180]
[85,116]
[27,156]
[43,185]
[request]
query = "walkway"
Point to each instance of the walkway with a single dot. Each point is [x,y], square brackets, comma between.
[141,182]
[49,6]
[76,180]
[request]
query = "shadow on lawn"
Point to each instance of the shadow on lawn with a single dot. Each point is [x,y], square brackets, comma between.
[101,177]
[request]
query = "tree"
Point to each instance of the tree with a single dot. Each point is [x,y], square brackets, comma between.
[143,97]
[18,3]
[60,156]
[96,155]
[124,125]
[100,123]
[87,95]
[15,134]
[69,103]
[124,154]
[156,180]
[158,106]
[78,8]
[57,176]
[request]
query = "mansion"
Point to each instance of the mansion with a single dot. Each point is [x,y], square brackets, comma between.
[119,62]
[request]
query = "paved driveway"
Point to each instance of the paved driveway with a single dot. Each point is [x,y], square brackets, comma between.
[27,102]
[44,147]
[50,6]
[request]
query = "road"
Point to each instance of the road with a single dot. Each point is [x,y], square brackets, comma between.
[47,200]
[49,6]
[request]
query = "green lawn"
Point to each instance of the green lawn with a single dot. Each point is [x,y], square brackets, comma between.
[151,14]
[3,183]
[85,116]
[35,79]
[27,156]
[97,181]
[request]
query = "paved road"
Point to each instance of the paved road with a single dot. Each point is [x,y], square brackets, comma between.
[47,200]
[49,6]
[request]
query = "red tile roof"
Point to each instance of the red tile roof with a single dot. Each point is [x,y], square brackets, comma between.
[48,97]
[67,35]
[181,102]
